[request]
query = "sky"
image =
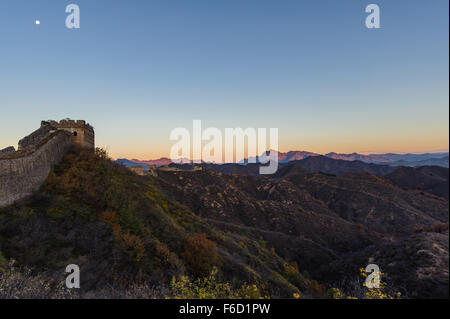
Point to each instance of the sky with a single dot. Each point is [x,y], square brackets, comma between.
[136,70]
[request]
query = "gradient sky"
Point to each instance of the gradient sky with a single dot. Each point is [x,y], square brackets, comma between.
[137,69]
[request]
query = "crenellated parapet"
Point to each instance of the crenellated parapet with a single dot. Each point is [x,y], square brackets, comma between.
[83,134]
[68,124]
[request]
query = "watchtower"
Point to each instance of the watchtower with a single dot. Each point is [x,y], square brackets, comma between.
[82,134]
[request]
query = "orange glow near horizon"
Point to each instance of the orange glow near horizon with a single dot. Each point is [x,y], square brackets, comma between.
[376,146]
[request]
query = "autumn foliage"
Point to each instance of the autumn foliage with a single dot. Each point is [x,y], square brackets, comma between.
[131,244]
[200,255]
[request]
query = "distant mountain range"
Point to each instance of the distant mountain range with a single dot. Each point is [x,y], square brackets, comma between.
[433,179]
[439,159]
[144,164]
[391,159]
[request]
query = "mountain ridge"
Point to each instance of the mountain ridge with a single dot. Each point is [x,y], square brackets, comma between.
[286,232]
[391,159]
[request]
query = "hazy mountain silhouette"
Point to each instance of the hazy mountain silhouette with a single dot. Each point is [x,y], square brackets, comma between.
[414,160]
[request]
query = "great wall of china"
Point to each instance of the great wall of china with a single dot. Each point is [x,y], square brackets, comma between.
[25,170]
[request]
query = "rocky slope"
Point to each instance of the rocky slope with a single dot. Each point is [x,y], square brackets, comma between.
[124,229]
[431,179]
[317,219]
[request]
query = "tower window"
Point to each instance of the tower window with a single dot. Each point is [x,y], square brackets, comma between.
[75,134]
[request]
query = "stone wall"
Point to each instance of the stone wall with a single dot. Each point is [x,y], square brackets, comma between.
[7,151]
[19,177]
[31,140]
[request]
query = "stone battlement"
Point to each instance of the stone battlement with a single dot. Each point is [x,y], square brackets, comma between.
[82,133]
[25,170]
[68,124]
[30,141]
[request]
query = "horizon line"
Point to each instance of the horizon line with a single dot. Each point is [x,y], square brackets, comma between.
[320,154]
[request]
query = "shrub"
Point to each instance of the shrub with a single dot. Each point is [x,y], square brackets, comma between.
[262,243]
[200,255]
[131,244]
[334,293]
[437,227]
[162,252]
[291,273]
[440,227]
[250,292]
[317,289]
[209,288]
